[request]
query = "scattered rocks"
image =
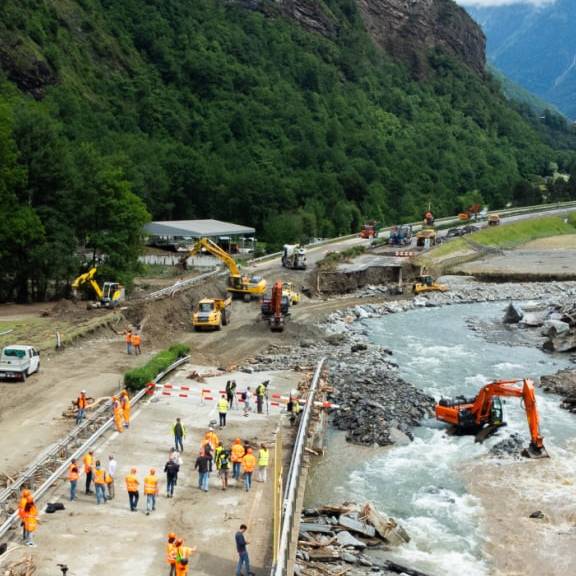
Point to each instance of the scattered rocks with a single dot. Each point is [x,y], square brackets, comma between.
[509,447]
[564,384]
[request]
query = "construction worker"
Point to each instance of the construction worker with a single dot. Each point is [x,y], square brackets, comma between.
[171,552]
[73,475]
[128,340]
[100,483]
[237,453]
[182,567]
[179,431]
[222,410]
[249,464]
[21,507]
[112,464]
[30,520]
[132,485]
[81,403]
[88,465]
[183,552]
[136,343]
[211,438]
[222,459]
[260,395]
[117,411]
[125,405]
[263,459]
[151,491]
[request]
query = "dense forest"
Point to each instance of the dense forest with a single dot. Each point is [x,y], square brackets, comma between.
[115,112]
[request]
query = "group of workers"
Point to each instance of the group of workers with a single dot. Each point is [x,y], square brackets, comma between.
[121,408]
[133,342]
[178,555]
[238,459]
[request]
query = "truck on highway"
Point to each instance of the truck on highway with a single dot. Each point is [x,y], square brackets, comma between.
[18,362]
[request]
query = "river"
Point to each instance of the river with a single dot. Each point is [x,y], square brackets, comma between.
[423,484]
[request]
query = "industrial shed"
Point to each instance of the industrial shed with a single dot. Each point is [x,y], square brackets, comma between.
[177,234]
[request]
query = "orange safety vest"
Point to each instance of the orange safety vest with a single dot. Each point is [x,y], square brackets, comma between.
[82,402]
[99,476]
[212,439]
[249,462]
[171,552]
[21,505]
[31,518]
[128,337]
[73,473]
[108,478]
[88,461]
[132,483]
[237,452]
[150,484]
[125,403]
[182,569]
[136,339]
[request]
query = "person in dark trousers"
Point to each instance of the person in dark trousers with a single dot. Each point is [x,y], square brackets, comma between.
[203,467]
[222,410]
[241,548]
[260,394]
[179,431]
[230,391]
[171,468]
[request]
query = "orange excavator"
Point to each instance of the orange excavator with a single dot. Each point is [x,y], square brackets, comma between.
[277,310]
[482,415]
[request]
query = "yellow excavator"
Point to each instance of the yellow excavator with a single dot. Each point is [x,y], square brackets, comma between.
[239,285]
[109,295]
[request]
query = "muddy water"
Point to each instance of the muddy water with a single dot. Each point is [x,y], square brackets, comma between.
[423,483]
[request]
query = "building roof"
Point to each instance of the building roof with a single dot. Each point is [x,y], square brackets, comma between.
[196,228]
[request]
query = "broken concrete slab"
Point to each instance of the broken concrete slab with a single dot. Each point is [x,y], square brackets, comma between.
[357,526]
[386,527]
[344,538]
[309,527]
[324,555]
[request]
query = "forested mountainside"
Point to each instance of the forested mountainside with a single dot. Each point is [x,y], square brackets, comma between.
[535,46]
[290,116]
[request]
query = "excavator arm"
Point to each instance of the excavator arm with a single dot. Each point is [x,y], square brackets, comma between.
[215,250]
[88,278]
[483,404]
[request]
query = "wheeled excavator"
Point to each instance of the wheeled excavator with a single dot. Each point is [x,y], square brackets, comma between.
[109,295]
[239,285]
[483,415]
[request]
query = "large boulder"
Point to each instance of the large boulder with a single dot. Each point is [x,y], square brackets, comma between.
[563,383]
[562,343]
[533,320]
[553,328]
[513,314]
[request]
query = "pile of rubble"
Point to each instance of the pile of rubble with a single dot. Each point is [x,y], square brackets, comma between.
[557,322]
[334,540]
[562,383]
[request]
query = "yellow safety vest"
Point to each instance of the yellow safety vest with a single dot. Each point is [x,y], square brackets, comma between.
[223,405]
[263,457]
[150,484]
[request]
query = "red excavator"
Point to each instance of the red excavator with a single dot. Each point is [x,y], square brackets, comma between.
[482,415]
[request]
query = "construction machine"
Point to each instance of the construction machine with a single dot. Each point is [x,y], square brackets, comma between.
[212,313]
[425,283]
[494,220]
[428,218]
[470,213]
[483,415]
[294,257]
[277,308]
[239,285]
[109,295]
[426,234]
[368,230]
[400,235]
[289,290]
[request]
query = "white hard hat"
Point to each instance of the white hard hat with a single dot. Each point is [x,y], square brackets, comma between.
[83,392]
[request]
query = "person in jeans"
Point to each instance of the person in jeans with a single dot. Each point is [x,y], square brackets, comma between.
[132,485]
[151,491]
[81,407]
[171,468]
[100,483]
[73,475]
[241,548]
[203,467]
[249,464]
[179,431]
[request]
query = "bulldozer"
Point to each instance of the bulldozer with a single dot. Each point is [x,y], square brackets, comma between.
[425,283]
[239,285]
[212,313]
[483,414]
[109,295]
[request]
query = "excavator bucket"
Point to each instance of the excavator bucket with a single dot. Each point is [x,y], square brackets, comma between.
[535,453]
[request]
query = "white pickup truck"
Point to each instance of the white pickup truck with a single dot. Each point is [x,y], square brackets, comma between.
[18,362]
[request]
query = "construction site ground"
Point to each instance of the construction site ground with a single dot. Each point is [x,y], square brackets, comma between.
[92,539]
